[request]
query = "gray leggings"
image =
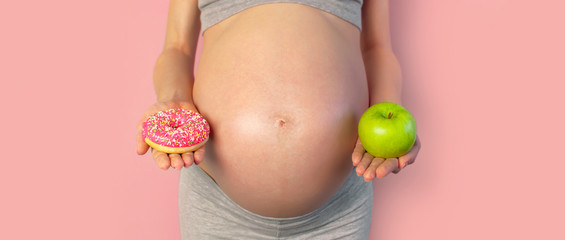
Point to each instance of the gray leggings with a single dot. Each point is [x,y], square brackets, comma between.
[206,212]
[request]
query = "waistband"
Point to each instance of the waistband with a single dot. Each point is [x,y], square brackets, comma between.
[351,196]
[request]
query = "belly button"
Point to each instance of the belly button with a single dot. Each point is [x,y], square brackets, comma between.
[280,123]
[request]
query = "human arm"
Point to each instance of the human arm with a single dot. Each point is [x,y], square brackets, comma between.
[384,78]
[173,77]
[384,74]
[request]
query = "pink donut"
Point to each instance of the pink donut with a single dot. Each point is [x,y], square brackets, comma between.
[176,131]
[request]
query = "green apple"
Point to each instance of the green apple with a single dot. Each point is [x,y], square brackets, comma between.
[387,130]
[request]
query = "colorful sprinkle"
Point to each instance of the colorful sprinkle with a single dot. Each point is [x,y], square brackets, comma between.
[176,128]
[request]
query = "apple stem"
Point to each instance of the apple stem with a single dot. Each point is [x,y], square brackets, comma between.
[389,115]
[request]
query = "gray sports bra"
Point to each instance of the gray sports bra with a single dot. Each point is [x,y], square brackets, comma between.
[214,11]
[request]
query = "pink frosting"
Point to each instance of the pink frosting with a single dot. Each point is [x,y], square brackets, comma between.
[176,128]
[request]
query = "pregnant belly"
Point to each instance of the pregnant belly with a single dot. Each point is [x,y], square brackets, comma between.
[283,107]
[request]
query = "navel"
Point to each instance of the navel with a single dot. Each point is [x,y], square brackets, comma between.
[280,123]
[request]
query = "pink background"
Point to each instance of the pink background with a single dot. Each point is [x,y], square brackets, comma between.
[483,78]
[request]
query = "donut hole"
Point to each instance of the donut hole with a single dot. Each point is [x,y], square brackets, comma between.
[175,123]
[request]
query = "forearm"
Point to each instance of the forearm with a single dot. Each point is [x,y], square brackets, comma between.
[173,76]
[384,76]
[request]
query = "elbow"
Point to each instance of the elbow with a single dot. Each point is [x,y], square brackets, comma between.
[178,47]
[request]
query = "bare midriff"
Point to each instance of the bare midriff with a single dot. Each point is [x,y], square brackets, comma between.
[283,87]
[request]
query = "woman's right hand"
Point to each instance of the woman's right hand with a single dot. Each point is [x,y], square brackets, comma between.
[166,160]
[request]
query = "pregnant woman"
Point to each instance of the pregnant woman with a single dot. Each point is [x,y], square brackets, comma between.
[283,85]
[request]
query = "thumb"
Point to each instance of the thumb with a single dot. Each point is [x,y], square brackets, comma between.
[141,145]
[358,152]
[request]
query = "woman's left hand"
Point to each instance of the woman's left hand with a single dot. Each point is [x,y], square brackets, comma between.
[371,167]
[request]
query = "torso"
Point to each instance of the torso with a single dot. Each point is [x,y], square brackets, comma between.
[283,87]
